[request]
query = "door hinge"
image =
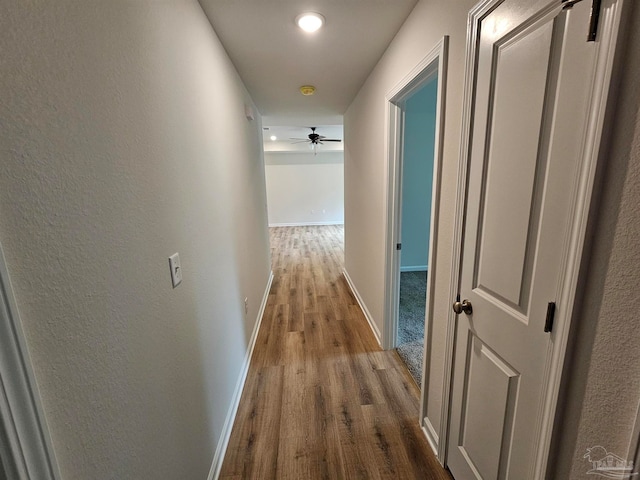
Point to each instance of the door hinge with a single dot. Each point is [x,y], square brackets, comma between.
[398,246]
[567,4]
[594,18]
[551,313]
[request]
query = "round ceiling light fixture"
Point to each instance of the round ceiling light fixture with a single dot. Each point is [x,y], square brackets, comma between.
[307,89]
[273,138]
[310,21]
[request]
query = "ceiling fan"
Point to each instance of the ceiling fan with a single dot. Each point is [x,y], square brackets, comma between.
[315,139]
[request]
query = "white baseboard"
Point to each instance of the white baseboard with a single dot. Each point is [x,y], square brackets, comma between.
[415,268]
[431,434]
[363,307]
[223,443]
[306,224]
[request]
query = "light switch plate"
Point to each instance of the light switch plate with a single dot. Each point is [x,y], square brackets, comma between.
[176,271]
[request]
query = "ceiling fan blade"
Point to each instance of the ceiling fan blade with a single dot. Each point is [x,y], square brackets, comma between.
[331,140]
[300,141]
[305,139]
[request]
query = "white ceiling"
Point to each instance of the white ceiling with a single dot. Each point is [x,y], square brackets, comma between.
[274,57]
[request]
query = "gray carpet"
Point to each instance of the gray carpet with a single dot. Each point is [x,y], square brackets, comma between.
[413,291]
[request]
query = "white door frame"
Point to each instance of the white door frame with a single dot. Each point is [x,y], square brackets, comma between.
[434,63]
[610,18]
[28,453]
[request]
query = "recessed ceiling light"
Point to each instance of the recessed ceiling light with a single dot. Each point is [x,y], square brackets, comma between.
[310,22]
[273,138]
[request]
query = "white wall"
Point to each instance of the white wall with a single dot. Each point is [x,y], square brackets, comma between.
[366,167]
[602,378]
[305,189]
[417,176]
[123,140]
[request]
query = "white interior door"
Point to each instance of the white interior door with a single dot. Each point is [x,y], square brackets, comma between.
[533,78]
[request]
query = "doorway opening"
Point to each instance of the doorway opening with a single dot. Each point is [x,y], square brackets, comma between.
[415,113]
[416,189]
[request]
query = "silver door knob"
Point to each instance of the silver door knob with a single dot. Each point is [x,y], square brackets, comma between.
[464,306]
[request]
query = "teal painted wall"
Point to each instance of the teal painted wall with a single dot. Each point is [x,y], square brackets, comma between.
[417,175]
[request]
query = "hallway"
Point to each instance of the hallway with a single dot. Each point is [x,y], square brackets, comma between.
[321,399]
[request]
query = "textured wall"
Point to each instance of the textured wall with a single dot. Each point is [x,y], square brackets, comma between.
[303,188]
[123,140]
[603,375]
[365,167]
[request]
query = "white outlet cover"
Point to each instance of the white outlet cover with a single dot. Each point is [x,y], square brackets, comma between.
[176,270]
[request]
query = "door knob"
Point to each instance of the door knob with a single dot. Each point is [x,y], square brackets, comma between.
[464,306]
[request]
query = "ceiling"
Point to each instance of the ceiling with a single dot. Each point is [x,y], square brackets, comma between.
[274,57]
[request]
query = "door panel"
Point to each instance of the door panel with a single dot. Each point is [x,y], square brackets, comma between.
[528,122]
[521,65]
[486,427]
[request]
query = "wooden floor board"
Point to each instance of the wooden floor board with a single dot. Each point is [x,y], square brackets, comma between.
[322,400]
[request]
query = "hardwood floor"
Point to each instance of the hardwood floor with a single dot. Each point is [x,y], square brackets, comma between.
[321,400]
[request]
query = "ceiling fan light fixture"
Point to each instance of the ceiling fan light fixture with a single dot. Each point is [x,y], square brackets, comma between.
[310,21]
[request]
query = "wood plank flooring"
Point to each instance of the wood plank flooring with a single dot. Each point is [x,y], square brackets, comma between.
[321,400]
